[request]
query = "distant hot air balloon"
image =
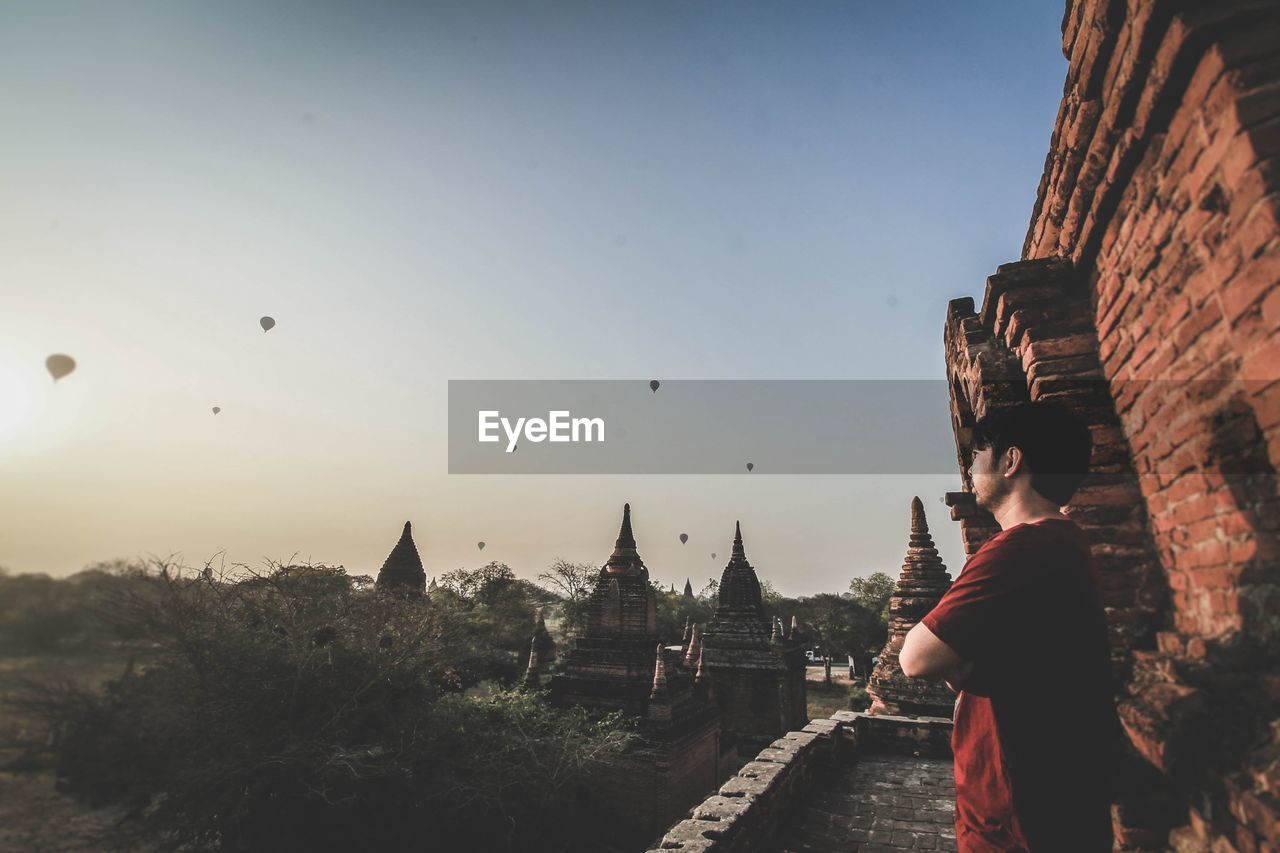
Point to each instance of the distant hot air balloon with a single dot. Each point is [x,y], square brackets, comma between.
[713,555]
[480,545]
[59,365]
[267,324]
[653,385]
[217,409]
[684,537]
[750,466]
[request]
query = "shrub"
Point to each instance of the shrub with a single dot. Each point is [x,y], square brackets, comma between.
[290,710]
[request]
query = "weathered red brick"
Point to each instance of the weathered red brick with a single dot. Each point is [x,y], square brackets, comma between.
[1248,287]
[1190,330]
[1262,364]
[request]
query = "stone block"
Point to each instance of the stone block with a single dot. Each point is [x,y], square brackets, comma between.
[690,836]
[722,810]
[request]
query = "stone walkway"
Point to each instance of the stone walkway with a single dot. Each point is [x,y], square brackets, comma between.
[879,803]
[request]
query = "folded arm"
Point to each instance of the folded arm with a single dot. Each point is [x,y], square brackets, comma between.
[924,656]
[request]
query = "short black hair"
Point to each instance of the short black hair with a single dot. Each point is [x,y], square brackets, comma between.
[1057,444]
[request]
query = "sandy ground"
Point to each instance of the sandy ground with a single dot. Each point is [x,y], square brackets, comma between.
[825,701]
[34,816]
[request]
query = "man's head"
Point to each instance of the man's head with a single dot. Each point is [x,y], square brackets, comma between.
[1035,450]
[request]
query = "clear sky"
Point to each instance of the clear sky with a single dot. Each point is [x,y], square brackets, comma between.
[420,192]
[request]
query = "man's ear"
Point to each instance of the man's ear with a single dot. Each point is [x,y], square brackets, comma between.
[1013,461]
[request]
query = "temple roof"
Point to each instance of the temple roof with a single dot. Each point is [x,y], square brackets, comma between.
[625,559]
[739,586]
[402,569]
[622,602]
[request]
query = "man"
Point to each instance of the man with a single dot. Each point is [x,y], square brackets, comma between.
[1022,636]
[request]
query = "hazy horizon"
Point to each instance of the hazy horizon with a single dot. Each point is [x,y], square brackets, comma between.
[476,191]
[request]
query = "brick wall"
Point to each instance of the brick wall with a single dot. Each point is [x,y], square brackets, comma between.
[1150,272]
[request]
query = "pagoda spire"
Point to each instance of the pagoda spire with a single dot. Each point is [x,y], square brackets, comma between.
[739,595]
[402,570]
[695,648]
[702,679]
[688,588]
[660,694]
[684,641]
[659,689]
[776,638]
[625,559]
[918,523]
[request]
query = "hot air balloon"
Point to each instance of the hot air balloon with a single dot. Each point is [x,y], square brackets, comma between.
[59,365]
[480,545]
[750,466]
[653,385]
[267,324]
[684,537]
[217,409]
[713,555]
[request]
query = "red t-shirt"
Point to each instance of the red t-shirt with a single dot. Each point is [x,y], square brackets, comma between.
[1036,734]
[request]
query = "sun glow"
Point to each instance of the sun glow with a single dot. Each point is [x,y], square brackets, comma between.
[16,402]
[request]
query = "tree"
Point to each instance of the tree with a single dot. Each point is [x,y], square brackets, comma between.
[674,609]
[873,593]
[772,599]
[289,710]
[573,584]
[496,617]
[837,625]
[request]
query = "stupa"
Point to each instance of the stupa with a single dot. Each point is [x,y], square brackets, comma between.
[402,571]
[759,675]
[922,583]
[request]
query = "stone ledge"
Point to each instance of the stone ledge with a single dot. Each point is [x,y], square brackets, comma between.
[689,835]
[744,814]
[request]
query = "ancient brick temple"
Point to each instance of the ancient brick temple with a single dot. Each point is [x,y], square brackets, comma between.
[1147,297]
[759,677]
[402,571]
[921,585]
[618,665]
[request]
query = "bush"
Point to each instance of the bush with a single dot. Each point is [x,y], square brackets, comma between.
[291,710]
[859,699]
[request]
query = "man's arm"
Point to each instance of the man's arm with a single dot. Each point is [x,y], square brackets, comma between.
[924,656]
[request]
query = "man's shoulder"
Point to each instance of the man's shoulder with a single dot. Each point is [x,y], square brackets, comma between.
[1042,533]
[1014,545]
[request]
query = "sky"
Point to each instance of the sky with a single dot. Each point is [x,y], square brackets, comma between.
[425,192]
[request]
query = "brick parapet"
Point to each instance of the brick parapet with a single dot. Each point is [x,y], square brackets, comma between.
[747,810]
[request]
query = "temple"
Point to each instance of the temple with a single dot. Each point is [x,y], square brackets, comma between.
[619,665]
[759,675]
[402,571]
[921,585]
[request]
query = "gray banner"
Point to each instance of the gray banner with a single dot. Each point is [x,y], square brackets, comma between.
[700,427]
